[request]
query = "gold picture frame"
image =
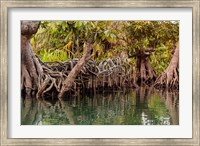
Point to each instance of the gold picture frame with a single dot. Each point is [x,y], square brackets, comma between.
[5,5]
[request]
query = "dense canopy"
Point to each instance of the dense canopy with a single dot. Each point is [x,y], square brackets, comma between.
[62,40]
[101,53]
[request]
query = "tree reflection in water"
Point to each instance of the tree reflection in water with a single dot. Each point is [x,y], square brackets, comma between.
[143,106]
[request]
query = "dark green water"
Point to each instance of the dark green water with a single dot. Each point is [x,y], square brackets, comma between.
[135,107]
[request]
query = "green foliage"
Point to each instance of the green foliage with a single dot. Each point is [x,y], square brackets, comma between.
[146,34]
[61,40]
[70,36]
[57,55]
[160,35]
[160,59]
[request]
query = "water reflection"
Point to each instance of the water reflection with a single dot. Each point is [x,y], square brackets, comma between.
[144,106]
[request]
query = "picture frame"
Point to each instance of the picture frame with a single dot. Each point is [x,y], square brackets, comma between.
[5,5]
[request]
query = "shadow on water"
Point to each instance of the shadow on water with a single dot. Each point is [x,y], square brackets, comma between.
[142,106]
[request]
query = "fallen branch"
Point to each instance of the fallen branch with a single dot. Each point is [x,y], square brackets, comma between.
[68,83]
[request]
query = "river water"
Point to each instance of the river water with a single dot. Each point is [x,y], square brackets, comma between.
[142,106]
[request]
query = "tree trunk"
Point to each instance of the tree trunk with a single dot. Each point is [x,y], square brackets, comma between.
[144,71]
[31,68]
[37,76]
[68,83]
[170,77]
